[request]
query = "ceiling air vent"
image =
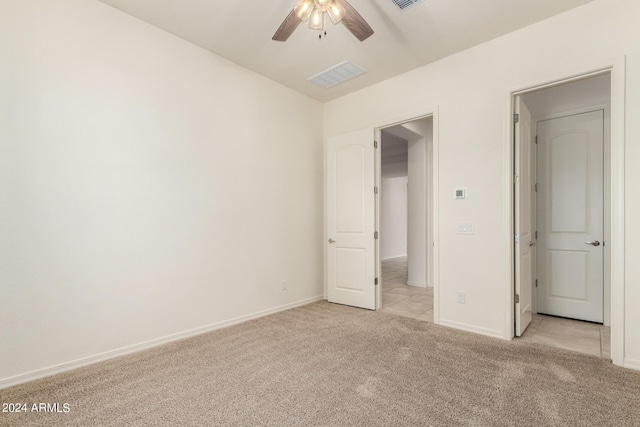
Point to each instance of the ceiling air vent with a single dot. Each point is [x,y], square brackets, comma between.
[406,4]
[337,74]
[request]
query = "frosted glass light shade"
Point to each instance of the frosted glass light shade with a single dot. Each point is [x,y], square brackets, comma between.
[336,12]
[302,9]
[316,19]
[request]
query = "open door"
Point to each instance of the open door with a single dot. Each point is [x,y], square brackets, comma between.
[524,241]
[351,219]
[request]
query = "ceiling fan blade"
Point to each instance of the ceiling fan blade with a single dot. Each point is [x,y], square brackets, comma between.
[287,27]
[355,22]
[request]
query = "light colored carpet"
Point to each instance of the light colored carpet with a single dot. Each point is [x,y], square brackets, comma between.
[326,364]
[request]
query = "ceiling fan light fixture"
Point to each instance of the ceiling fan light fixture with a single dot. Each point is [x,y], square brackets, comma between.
[316,19]
[323,4]
[339,11]
[302,9]
[336,12]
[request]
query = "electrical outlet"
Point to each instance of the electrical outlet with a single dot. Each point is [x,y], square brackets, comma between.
[461,297]
[284,285]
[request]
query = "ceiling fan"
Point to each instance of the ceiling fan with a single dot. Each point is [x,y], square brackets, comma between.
[314,10]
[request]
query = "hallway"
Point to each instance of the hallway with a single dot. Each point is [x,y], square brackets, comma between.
[403,300]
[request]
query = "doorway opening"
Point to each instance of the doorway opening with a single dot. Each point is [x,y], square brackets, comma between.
[405,219]
[562,221]
[353,213]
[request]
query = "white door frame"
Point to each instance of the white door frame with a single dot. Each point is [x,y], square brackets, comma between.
[432,211]
[616,68]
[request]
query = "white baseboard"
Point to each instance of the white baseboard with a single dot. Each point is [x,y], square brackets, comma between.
[67,366]
[471,328]
[393,257]
[632,364]
[417,284]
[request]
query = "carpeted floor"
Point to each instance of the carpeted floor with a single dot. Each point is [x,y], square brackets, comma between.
[326,364]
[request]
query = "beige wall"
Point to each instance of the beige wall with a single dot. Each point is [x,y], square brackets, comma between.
[393,217]
[148,187]
[470,90]
[420,233]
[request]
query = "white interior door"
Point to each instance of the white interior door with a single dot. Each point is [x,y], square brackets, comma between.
[570,216]
[523,215]
[351,219]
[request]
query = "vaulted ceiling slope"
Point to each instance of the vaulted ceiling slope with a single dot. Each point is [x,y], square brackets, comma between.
[433,29]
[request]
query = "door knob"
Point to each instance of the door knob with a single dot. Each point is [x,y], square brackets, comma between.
[532,244]
[593,243]
[331,241]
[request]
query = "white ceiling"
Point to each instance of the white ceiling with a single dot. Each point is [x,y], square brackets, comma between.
[241,32]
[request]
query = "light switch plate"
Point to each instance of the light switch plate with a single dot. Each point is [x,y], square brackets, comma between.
[465,228]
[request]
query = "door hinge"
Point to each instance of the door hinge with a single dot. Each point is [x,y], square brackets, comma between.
[535,187]
[375,235]
[516,118]
[376,282]
[375,144]
[516,238]
[517,299]
[516,179]
[536,234]
[375,190]
[536,283]
[536,139]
